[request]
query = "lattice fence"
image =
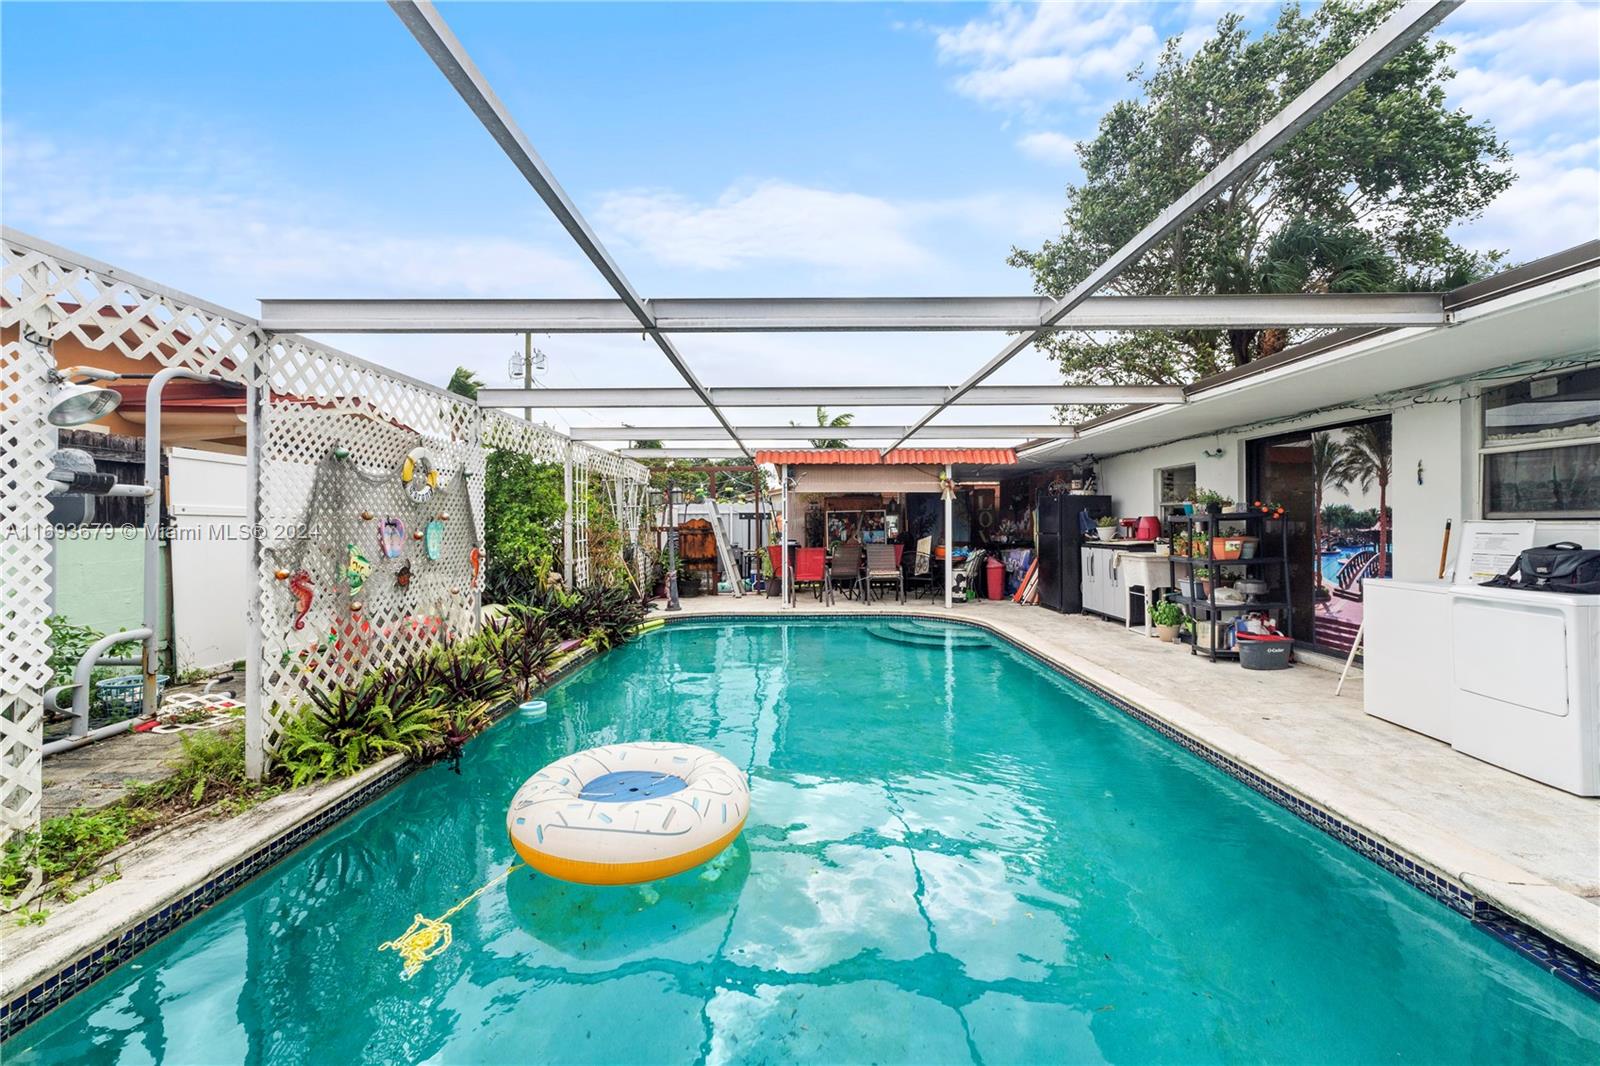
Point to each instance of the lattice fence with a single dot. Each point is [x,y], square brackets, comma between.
[46,295]
[359,566]
[371,504]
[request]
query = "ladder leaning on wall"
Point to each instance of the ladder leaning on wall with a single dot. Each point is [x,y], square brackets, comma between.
[725,551]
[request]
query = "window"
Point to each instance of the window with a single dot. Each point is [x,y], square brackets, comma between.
[1541,447]
[1173,486]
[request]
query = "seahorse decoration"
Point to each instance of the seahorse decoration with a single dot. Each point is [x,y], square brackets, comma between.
[301,588]
[475,560]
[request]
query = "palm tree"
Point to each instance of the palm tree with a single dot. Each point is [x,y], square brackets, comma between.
[1367,457]
[834,422]
[1328,470]
[464,383]
[1311,256]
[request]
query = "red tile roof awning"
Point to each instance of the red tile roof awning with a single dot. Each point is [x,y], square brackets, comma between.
[898,457]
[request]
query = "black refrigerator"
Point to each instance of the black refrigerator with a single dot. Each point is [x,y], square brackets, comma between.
[1062,520]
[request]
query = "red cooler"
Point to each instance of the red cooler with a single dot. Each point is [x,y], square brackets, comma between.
[996,574]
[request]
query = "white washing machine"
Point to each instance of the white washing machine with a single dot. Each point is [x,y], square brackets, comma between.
[1405,659]
[1525,684]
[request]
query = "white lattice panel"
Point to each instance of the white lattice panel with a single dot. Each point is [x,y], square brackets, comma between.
[336,433]
[25,448]
[110,312]
[48,294]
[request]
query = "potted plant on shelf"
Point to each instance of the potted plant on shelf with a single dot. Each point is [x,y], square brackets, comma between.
[1108,527]
[1168,618]
[1211,501]
[1202,581]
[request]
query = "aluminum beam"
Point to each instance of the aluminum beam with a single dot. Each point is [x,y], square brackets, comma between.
[806,433]
[825,396]
[684,453]
[447,53]
[1401,30]
[857,314]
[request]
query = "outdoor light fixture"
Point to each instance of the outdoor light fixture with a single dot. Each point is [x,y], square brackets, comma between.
[76,404]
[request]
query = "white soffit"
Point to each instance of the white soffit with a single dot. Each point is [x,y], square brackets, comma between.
[1559,319]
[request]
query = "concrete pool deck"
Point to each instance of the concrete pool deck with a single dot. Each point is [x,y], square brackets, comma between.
[1527,848]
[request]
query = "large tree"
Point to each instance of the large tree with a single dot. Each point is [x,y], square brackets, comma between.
[1367,457]
[1361,200]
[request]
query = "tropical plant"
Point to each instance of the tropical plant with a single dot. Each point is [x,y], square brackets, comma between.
[343,731]
[464,383]
[1367,458]
[1210,497]
[523,504]
[827,421]
[522,648]
[465,672]
[1388,173]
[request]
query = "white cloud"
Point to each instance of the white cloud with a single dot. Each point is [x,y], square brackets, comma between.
[772,221]
[1050,147]
[1514,102]
[1554,204]
[1024,58]
[1555,39]
[846,234]
[222,231]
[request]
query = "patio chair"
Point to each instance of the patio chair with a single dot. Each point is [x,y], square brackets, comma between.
[810,568]
[775,585]
[920,578]
[881,568]
[845,567]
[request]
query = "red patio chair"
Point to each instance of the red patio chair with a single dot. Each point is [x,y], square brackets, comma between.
[811,568]
[775,553]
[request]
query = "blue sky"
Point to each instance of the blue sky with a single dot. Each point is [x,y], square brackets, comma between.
[241,151]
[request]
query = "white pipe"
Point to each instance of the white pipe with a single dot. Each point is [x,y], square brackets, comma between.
[83,674]
[57,746]
[255,752]
[784,534]
[949,494]
[152,521]
[566,516]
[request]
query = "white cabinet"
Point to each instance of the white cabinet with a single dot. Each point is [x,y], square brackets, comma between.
[1103,590]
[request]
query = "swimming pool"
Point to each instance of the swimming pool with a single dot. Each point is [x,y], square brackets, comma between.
[953,854]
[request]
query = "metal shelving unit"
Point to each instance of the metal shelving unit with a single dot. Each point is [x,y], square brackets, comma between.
[1207,608]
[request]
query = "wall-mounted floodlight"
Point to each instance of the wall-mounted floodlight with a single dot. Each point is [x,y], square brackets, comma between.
[77,404]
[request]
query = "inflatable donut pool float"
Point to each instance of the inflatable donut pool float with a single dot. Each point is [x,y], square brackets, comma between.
[627,813]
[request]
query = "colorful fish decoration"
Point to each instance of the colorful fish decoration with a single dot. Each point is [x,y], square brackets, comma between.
[357,569]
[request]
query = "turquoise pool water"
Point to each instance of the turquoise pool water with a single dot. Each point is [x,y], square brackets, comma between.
[953,855]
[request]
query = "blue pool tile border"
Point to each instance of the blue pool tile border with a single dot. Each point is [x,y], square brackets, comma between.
[1549,954]
[33,1003]
[1582,973]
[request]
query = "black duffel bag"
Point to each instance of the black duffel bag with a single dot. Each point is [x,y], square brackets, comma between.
[1562,567]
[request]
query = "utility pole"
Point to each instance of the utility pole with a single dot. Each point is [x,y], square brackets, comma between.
[527,372]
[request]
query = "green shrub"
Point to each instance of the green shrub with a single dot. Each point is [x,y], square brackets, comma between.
[208,768]
[353,727]
[66,848]
[1167,613]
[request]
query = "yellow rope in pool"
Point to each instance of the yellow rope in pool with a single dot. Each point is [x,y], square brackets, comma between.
[428,938]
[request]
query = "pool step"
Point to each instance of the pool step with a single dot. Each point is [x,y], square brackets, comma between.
[913,635]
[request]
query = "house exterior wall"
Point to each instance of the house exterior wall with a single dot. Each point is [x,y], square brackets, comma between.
[1441,434]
